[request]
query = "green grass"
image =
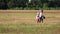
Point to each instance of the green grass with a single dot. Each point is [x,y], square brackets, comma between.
[24,23]
[28,29]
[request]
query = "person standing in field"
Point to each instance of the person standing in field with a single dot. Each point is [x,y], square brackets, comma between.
[37,17]
[40,16]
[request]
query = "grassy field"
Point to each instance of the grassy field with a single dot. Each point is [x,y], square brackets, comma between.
[23,22]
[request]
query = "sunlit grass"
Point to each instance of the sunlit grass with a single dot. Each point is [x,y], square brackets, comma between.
[24,23]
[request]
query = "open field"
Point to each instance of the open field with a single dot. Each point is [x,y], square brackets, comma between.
[23,22]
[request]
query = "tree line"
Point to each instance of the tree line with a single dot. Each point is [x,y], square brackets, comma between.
[25,4]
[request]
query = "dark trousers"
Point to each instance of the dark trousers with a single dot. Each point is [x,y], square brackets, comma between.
[41,19]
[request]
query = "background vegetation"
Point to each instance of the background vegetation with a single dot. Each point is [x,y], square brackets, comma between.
[25,4]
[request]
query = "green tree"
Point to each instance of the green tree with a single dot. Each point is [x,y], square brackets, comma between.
[3,4]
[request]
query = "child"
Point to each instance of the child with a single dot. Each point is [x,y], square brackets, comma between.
[37,18]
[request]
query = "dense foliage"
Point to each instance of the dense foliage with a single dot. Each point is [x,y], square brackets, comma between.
[25,4]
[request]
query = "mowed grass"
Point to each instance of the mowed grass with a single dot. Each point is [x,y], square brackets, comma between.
[23,22]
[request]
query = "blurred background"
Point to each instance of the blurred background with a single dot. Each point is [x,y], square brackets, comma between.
[30,4]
